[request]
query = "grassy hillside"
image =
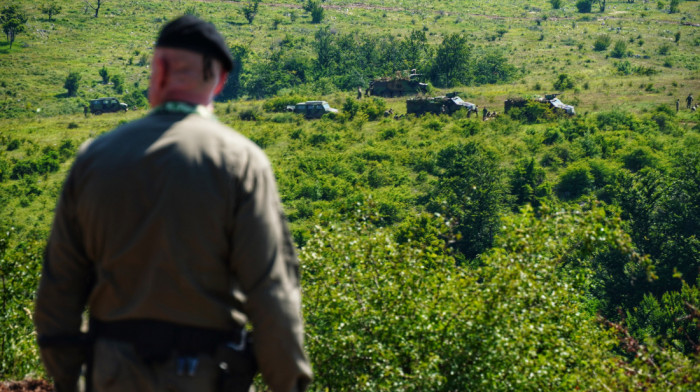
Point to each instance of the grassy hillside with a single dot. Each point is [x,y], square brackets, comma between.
[438,252]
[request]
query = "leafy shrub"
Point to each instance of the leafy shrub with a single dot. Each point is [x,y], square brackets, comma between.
[72,83]
[280,103]
[527,183]
[389,311]
[471,191]
[619,50]
[576,180]
[584,6]
[602,42]
[563,82]
[136,99]
[250,114]
[639,158]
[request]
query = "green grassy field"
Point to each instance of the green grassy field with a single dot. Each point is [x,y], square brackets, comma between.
[438,252]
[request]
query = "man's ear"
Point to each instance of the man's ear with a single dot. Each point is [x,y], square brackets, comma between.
[223,77]
[160,71]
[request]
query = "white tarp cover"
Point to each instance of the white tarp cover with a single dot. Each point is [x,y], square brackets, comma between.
[460,102]
[561,105]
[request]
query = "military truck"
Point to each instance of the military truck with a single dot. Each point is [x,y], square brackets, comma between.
[397,86]
[438,105]
[312,109]
[549,100]
[107,105]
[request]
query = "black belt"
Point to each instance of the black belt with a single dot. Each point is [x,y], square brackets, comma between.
[156,340]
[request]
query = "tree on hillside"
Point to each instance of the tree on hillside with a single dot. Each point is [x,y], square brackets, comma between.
[13,21]
[451,62]
[72,83]
[326,50]
[95,6]
[316,12]
[51,8]
[250,10]
[104,74]
[415,49]
[471,192]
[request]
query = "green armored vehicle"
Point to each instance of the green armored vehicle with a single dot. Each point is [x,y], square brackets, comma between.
[107,105]
[439,105]
[397,86]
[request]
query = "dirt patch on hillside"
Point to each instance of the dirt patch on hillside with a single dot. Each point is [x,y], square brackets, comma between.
[26,386]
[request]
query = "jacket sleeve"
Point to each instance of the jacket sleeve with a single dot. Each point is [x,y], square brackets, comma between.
[264,262]
[66,279]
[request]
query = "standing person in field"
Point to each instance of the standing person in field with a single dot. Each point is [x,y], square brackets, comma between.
[170,232]
[689,101]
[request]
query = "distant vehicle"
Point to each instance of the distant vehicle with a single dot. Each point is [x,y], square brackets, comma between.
[438,105]
[107,105]
[550,100]
[398,85]
[312,109]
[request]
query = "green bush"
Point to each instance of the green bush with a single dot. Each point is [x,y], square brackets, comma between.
[639,158]
[602,42]
[576,180]
[401,315]
[280,103]
[584,6]
[72,83]
[619,50]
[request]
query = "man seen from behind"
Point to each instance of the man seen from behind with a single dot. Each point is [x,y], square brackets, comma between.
[170,232]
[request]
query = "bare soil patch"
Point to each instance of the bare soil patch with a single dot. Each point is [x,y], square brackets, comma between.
[26,386]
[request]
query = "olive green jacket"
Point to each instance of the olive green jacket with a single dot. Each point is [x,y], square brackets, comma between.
[174,217]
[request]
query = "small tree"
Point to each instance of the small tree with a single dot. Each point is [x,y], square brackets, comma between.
[96,6]
[51,8]
[584,6]
[673,7]
[13,21]
[104,74]
[564,82]
[118,81]
[250,10]
[620,50]
[602,43]
[316,13]
[72,83]
[556,4]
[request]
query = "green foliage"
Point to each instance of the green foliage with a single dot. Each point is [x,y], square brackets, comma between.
[575,181]
[118,83]
[471,193]
[639,158]
[72,83]
[619,50]
[51,8]
[250,10]
[491,66]
[14,21]
[136,99]
[584,6]
[316,12]
[602,42]
[673,6]
[104,74]
[556,4]
[401,315]
[564,82]
[451,64]
[527,183]
[280,103]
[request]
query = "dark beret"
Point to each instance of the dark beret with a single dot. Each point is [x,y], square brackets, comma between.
[191,33]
